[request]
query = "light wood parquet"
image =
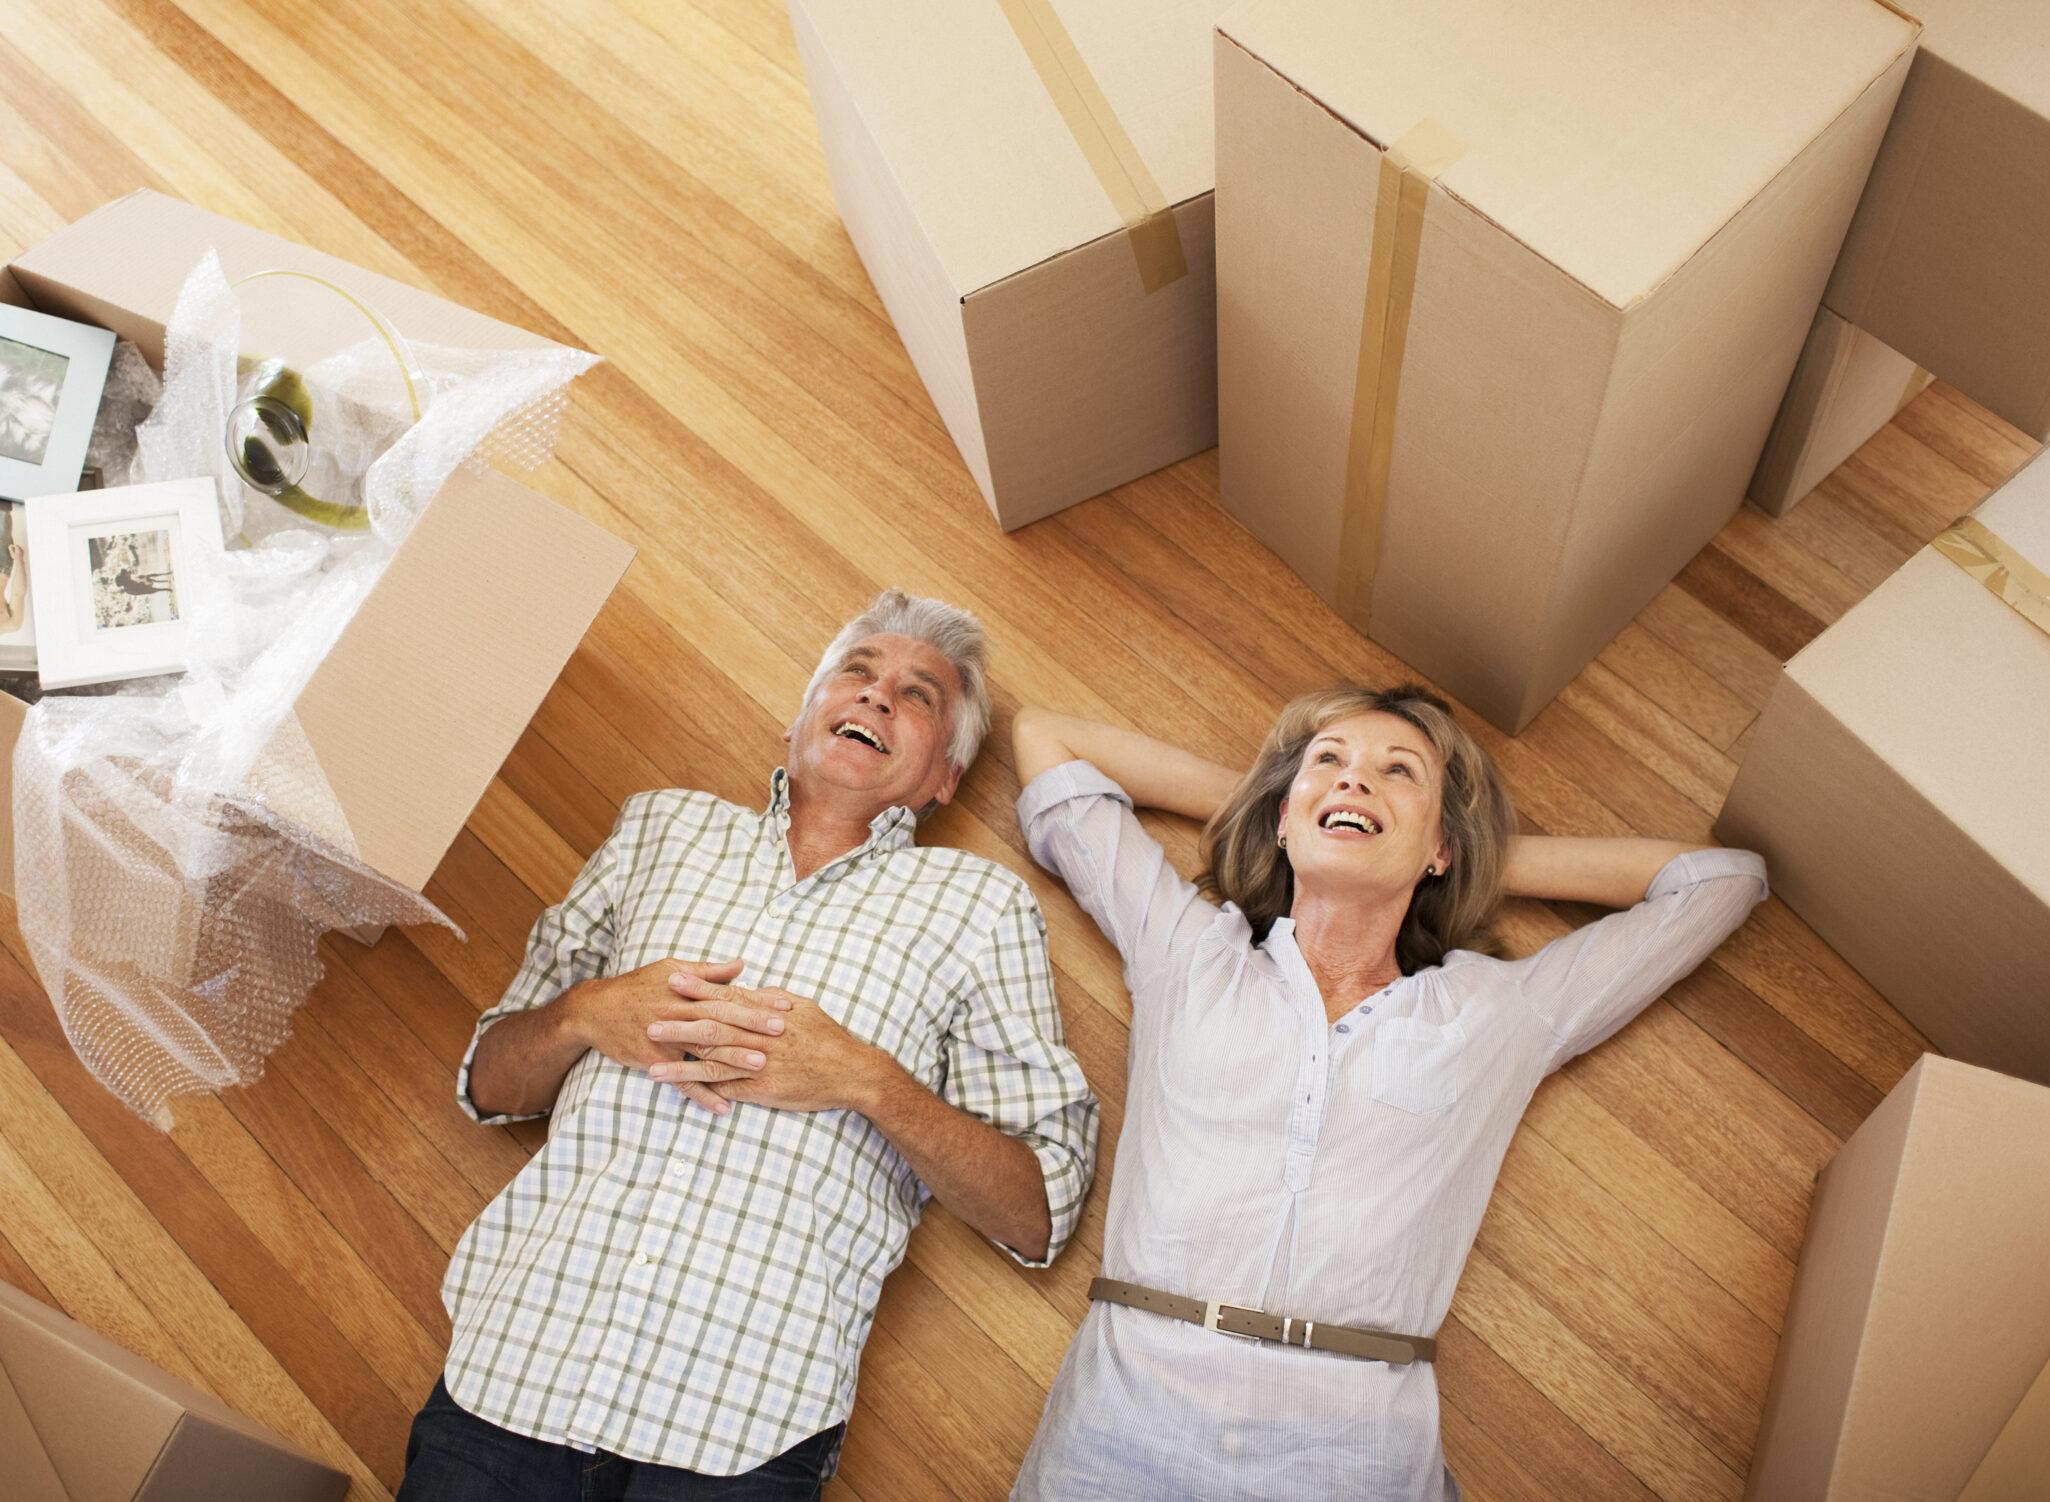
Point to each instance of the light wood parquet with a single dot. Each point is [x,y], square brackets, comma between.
[643,178]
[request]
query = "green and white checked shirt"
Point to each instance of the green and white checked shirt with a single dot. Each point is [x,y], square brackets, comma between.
[695,1290]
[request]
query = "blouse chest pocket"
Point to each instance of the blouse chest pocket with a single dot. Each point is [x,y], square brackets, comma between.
[1416,1064]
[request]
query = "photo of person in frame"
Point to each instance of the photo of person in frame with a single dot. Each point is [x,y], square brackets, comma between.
[14,567]
[31,381]
[133,582]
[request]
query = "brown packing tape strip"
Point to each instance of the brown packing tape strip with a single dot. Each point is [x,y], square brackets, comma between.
[1408,168]
[1149,222]
[2016,582]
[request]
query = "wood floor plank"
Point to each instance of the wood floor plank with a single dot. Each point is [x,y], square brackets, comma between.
[1965,433]
[1722,583]
[1712,643]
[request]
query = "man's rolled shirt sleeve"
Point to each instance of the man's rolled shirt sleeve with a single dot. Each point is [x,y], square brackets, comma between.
[571,942]
[1007,1064]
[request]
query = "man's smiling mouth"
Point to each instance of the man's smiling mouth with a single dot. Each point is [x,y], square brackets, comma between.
[854,731]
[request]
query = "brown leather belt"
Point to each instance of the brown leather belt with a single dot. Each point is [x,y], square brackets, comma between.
[1257,1324]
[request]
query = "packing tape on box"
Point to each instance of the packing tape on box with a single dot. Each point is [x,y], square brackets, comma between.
[1408,168]
[1149,221]
[1981,552]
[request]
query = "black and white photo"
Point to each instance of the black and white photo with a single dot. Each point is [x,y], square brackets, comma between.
[52,371]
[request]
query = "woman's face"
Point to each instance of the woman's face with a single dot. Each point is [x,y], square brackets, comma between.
[1363,809]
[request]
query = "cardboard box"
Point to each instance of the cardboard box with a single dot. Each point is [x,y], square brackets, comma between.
[1946,258]
[1508,295]
[1899,788]
[429,686]
[1846,387]
[989,186]
[82,1420]
[1920,1313]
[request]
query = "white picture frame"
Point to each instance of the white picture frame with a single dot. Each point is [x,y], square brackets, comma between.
[118,573]
[52,371]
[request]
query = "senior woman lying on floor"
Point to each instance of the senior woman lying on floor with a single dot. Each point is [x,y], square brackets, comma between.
[1326,1068]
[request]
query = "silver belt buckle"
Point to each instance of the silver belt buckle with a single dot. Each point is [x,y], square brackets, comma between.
[1211,1309]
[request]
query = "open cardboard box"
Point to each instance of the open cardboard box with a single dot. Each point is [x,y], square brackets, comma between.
[428,687]
[82,1420]
[1898,786]
[1507,296]
[1846,387]
[1910,1362]
[1946,260]
[994,244]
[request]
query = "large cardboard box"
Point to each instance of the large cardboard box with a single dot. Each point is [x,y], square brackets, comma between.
[1846,387]
[1508,295]
[411,713]
[1946,260]
[1898,786]
[1920,1314]
[82,1420]
[1028,184]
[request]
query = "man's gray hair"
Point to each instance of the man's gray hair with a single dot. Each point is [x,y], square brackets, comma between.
[952,632]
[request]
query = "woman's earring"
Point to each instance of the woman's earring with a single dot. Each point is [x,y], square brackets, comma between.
[1431,870]
[1281,840]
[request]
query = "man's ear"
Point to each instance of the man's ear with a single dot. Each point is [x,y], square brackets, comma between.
[947,786]
[789,731]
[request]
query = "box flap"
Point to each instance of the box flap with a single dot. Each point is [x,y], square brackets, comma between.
[205,1461]
[2015,1467]
[1611,137]
[1952,688]
[988,166]
[122,265]
[414,708]
[102,1414]
[109,1419]
[23,1461]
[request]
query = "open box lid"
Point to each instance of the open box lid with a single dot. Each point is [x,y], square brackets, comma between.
[113,1427]
[431,683]
[1951,687]
[1611,137]
[988,166]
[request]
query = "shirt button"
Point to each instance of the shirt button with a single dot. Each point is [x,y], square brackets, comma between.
[1365,1008]
[640,1259]
[1345,1027]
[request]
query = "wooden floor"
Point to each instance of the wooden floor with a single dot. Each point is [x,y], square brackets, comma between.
[643,178]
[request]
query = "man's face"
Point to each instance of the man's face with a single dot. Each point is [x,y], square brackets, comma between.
[879,725]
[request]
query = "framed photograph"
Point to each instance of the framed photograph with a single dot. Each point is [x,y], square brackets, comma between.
[51,372]
[17,618]
[118,573]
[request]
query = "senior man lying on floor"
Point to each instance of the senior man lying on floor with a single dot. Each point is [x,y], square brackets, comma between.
[671,1299]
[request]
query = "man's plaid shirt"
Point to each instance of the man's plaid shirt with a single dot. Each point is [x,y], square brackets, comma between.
[693,1290]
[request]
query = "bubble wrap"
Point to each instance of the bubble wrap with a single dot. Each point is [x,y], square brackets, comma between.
[178,852]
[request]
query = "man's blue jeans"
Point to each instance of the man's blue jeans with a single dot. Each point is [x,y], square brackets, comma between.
[454,1456]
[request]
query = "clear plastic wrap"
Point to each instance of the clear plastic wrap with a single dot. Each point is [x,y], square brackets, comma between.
[178,852]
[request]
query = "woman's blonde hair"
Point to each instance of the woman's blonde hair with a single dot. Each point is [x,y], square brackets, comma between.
[1452,910]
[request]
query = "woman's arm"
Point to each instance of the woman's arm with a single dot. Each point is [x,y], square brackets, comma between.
[1155,774]
[1613,873]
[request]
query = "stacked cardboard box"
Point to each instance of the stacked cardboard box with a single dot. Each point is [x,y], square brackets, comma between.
[1508,295]
[1911,1362]
[1029,185]
[1944,263]
[1897,784]
[82,1420]
[417,704]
